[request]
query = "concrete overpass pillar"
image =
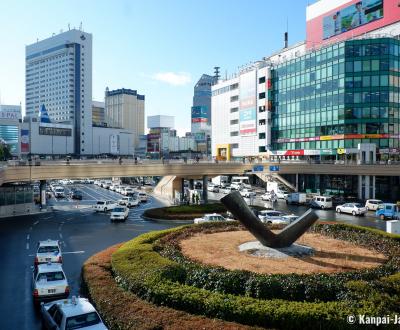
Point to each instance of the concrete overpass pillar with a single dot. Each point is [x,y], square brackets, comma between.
[191,184]
[205,191]
[42,189]
[182,189]
[297,181]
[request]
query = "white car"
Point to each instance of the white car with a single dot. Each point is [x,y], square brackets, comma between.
[269,197]
[247,193]
[75,313]
[49,283]
[213,217]
[268,216]
[59,192]
[373,204]
[212,187]
[128,201]
[281,194]
[142,197]
[352,208]
[48,251]
[119,213]
[119,189]
[228,190]
[104,206]
[128,191]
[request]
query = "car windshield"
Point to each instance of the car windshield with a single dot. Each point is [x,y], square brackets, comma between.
[100,203]
[358,205]
[118,209]
[82,321]
[48,249]
[50,277]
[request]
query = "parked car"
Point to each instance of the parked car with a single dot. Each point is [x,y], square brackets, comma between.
[373,204]
[352,208]
[119,213]
[48,251]
[128,201]
[213,217]
[388,211]
[268,216]
[142,197]
[49,283]
[104,206]
[75,313]
[248,193]
[76,194]
[321,202]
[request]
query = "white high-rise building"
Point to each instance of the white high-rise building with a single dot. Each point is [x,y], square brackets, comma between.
[59,76]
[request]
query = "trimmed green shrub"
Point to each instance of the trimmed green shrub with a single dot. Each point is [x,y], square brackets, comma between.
[138,267]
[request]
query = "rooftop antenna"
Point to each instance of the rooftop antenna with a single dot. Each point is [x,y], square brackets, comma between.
[287,34]
[69,26]
[80,26]
[216,72]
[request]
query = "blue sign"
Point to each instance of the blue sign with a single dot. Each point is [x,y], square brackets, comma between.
[258,168]
[274,168]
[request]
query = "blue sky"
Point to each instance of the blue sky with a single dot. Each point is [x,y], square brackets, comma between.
[158,47]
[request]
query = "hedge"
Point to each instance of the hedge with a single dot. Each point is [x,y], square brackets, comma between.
[140,269]
[121,309]
[307,287]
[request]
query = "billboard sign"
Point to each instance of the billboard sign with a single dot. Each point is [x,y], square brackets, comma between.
[24,140]
[247,104]
[114,144]
[199,112]
[351,17]
[55,131]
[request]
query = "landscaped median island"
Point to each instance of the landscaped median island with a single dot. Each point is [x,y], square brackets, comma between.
[155,270]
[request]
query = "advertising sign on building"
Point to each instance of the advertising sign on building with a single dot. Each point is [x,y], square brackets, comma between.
[114,144]
[12,112]
[24,140]
[247,105]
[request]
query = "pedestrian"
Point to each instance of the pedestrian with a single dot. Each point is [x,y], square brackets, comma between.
[135,160]
[244,160]
[120,160]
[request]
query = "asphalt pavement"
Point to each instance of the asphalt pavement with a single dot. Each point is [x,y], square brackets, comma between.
[81,232]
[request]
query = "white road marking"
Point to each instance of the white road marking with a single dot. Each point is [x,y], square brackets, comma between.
[74,252]
[61,236]
[27,246]
[36,222]
[30,228]
[27,237]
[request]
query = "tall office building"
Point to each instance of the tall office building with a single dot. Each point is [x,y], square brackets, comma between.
[201,112]
[124,108]
[59,75]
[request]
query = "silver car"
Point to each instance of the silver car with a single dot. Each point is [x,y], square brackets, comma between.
[352,208]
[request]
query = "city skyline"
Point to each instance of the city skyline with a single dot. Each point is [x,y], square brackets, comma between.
[165,69]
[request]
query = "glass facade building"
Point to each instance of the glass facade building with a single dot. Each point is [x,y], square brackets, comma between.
[328,101]
[10,134]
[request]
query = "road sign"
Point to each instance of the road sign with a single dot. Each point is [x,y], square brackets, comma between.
[274,168]
[258,168]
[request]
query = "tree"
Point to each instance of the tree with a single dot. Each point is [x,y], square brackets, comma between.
[4,152]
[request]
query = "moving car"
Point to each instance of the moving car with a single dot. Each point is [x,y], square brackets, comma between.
[388,211]
[49,283]
[247,193]
[322,202]
[104,206]
[119,213]
[128,191]
[213,217]
[373,204]
[142,197]
[268,196]
[352,208]
[128,201]
[212,187]
[228,190]
[76,194]
[48,251]
[75,313]
[59,192]
[268,216]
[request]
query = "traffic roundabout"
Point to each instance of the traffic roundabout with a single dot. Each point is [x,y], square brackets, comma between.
[158,270]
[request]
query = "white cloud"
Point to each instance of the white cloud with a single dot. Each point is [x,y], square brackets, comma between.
[173,78]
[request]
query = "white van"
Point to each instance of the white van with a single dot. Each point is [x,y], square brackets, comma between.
[240,181]
[322,202]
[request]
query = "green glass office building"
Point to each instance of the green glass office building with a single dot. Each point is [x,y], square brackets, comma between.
[329,101]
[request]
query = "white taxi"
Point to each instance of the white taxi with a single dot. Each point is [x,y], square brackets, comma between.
[120,213]
[75,313]
[104,206]
[49,283]
[48,251]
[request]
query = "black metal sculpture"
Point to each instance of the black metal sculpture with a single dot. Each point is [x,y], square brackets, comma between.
[235,203]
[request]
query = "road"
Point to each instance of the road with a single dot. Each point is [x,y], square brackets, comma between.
[81,232]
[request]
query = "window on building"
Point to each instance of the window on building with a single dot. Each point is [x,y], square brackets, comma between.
[261,95]
[236,133]
[234,110]
[261,136]
[234,121]
[261,108]
[235,146]
[261,122]
[234,98]
[261,80]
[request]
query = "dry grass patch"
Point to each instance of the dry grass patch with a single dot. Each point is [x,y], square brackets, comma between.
[331,255]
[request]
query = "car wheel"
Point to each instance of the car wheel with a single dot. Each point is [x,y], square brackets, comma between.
[322,207]
[367,208]
[339,211]
[287,202]
[105,209]
[353,213]
[269,222]
[382,217]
